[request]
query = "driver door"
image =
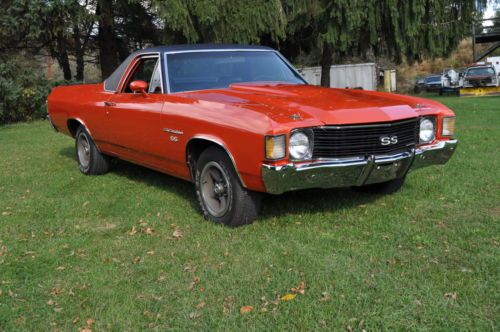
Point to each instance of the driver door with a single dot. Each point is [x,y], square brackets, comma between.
[133,119]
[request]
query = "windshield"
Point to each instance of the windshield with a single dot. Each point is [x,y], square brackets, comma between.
[480,71]
[433,79]
[192,71]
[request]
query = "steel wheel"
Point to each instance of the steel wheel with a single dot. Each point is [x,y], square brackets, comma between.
[83,148]
[215,189]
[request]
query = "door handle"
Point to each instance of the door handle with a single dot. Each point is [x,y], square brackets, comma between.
[109,103]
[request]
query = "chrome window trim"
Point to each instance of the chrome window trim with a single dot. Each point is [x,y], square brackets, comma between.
[287,63]
[141,56]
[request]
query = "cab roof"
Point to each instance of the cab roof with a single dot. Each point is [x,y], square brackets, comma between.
[111,83]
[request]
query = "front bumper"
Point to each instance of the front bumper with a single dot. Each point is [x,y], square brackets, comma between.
[358,171]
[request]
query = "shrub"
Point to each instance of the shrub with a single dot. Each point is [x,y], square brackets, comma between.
[23,91]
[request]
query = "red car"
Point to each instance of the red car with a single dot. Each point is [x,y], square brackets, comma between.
[239,121]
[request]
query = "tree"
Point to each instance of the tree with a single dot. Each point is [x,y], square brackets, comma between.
[123,27]
[221,21]
[390,28]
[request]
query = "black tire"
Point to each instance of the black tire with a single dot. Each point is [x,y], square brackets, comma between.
[90,160]
[237,206]
[388,187]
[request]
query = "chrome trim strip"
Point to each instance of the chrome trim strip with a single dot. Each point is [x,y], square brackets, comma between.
[222,145]
[52,124]
[371,125]
[222,50]
[173,131]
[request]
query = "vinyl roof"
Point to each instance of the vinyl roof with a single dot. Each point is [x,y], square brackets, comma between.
[111,83]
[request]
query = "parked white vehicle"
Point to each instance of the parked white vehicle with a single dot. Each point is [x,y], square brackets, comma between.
[450,78]
[495,62]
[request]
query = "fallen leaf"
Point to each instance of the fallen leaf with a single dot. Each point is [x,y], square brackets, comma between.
[60,268]
[177,234]
[136,259]
[76,320]
[195,281]
[3,250]
[325,297]
[50,302]
[194,314]
[55,291]
[201,304]
[300,289]
[228,304]
[288,297]
[452,295]
[148,230]
[189,268]
[246,309]
[89,322]
[133,231]
[150,253]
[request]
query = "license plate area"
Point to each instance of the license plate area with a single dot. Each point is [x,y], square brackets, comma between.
[385,172]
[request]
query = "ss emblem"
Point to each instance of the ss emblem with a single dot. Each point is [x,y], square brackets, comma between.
[388,140]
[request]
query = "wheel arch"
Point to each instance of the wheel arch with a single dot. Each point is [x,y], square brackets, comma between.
[73,124]
[199,143]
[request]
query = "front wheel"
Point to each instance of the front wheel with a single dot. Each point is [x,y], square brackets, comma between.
[221,196]
[388,187]
[90,160]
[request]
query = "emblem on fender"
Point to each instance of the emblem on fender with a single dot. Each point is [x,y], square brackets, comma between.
[388,140]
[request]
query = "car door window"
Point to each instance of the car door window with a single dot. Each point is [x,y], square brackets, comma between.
[146,71]
[155,84]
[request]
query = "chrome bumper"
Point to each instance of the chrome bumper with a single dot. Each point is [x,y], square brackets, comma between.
[358,171]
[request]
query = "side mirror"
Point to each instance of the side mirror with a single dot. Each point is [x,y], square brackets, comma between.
[139,86]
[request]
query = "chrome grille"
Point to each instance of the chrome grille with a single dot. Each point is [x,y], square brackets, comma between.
[363,140]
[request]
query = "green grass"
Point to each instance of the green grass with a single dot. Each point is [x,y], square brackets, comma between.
[369,262]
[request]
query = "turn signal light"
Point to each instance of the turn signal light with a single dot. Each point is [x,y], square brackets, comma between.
[275,147]
[448,126]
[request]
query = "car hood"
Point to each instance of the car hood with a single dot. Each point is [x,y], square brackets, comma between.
[307,105]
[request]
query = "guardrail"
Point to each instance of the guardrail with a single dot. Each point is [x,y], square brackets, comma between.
[485,31]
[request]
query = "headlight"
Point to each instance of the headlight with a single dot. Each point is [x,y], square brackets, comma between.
[427,131]
[448,126]
[300,146]
[275,147]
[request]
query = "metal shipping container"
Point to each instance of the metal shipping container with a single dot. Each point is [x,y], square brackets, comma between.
[345,76]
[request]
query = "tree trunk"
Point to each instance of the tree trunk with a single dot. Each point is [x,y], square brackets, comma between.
[326,63]
[79,53]
[107,43]
[62,56]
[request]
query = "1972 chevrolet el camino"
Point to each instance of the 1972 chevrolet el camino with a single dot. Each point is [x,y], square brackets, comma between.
[239,121]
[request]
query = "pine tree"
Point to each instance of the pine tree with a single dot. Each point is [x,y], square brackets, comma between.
[392,28]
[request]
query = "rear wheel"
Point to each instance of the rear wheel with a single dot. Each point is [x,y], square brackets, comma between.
[221,196]
[90,160]
[388,187]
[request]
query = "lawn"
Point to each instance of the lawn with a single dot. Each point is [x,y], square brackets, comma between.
[129,250]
